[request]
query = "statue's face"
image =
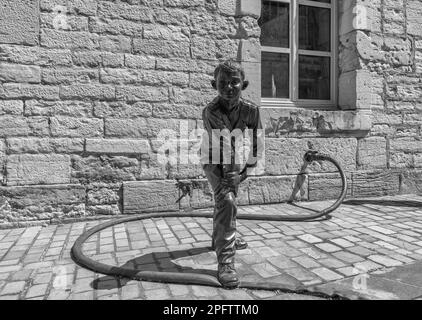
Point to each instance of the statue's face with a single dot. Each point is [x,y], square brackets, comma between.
[229,85]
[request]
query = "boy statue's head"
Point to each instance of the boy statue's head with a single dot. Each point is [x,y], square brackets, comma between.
[229,81]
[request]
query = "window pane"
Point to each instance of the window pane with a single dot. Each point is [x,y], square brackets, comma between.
[274,23]
[275,75]
[325,1]
[314,28]
[314,77]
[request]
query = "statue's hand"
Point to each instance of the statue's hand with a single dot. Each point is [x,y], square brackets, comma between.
[234,179]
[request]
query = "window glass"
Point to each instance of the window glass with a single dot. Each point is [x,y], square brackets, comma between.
[275,75]
[314,28]
[314,77]
[274,23]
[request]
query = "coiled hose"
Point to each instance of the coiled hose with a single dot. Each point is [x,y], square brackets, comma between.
[203,279]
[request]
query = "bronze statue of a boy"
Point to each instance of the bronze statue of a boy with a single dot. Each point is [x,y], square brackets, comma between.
[228,111]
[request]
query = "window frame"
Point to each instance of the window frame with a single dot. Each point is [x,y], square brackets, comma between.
[294,53]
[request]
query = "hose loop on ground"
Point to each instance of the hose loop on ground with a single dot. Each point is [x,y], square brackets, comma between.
[202,279]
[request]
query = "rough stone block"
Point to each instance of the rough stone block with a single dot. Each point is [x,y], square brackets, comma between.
[327,186]
[87,58]
[172,33]
[372,153]
[37,169]
[19,22]
[115,27]
[411,182]
[182,3]
[19,197]
[19,73]
[227,7]
[103,193]
[178,111]
[61,108]
[144,77]
[189,96]
[76,40]
[143,196]
[113,60]
[141,62]
[12,107]
[185,65]
[76,127]
[273,189]
[115,43]
[87,91]
[214,26]
[72,23]
[414,18]
[28,91]
[139,128]
[120,109]
[20,126]
[83,7]
[162,48]
[210,49]
[285,156]
[375,183]
[117,146]
[104,169]
[121,10]
[69,76]
[35,55]
[142,93]
[44,145]
[407,145]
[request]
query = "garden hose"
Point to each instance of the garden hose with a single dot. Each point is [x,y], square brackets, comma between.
[203,279]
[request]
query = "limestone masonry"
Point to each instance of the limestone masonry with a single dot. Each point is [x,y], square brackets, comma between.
[86,86]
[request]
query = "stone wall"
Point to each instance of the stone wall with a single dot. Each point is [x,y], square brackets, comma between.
[87,85]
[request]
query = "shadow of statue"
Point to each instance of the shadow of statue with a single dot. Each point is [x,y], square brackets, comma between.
[158,262]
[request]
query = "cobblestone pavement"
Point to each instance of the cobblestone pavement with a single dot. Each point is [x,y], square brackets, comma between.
[363,236]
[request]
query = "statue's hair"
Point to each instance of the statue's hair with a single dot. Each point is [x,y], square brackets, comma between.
[229,66]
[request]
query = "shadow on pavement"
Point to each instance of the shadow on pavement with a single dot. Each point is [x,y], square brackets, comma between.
[380,202]
[156,261]
[323,218]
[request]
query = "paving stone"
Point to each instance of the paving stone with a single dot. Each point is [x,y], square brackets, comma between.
[15,287]
[300,274]
[347,257]
[327,247]
[37,290]
[156,294]
[342,242]
[309,238]
[385,261]
[327,274]
[306,262]
[265,270]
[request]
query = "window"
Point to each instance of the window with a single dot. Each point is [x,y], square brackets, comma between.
[298,55]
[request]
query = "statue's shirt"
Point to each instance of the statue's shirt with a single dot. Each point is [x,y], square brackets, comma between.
[244,119]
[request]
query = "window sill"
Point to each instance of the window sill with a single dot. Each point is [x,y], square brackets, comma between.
[308,104]
[294,121]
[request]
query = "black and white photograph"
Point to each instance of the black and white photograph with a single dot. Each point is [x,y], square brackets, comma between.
[242,152]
